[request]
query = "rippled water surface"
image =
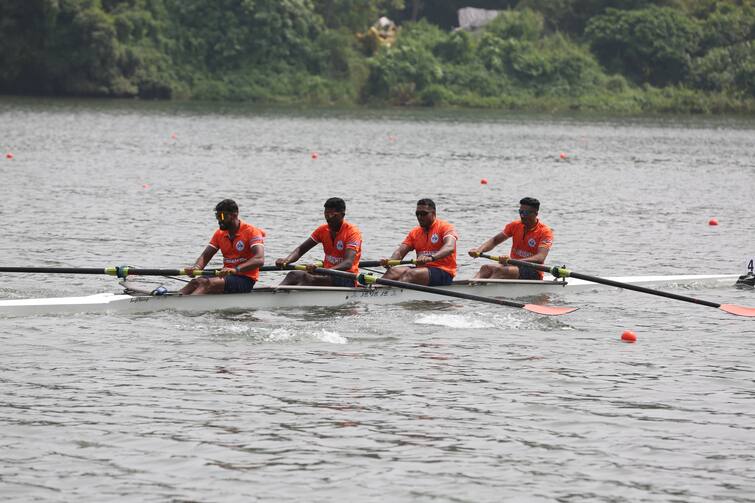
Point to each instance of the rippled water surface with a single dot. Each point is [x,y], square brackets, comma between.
[449,401]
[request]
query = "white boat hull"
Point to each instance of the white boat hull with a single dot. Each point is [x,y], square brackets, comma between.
[300,296]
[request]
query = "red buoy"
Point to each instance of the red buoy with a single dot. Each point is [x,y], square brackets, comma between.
[9,155]
[712,221]
[314,156]
[484,181]
[562,156]
[629,336]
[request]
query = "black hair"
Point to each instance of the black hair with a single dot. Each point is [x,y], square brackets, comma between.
[228,205]
[426,202]
[531,201]
[335,203]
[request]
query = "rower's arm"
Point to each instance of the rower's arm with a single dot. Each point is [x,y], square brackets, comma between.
[400,252]
[347,262]
[300,250]
[492,242]
[205,257]
[257,260]
[539,257]
[449,245]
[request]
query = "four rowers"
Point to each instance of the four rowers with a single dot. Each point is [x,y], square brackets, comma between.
[433,240]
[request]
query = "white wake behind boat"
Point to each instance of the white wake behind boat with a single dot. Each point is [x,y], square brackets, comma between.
[303,296]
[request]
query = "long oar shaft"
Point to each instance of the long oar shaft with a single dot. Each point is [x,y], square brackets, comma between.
[137,271]
[123,271]
[562,272]
[376,263]
[57,270]
[548,310]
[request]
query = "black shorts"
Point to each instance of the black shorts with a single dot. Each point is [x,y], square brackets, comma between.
[439,277]
[339,281]
[235,283]
[528,273]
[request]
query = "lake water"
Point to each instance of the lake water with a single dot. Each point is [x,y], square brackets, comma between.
[445,402]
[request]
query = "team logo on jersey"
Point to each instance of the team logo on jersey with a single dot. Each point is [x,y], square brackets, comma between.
[239,245]
[531,243]
[434,238]
[339,245]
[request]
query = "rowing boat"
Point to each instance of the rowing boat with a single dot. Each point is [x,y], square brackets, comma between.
[275,297]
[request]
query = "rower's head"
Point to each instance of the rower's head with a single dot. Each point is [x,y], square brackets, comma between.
[227,213]
[528,210]
[425,213]
[335,210]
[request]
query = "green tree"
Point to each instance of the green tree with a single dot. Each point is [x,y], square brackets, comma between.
[653,45]
[571,16]
[727,25]
[355,15]
[726,69]
[25,31]
[228,34]
[399,73]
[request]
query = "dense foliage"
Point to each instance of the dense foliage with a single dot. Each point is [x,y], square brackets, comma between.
[621,55]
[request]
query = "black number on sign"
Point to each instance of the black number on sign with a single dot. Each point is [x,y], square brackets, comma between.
[750,265]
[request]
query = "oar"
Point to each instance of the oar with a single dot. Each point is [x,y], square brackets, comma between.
[368,279]
[363,263]
[562,272]
[123,271]
[376,263]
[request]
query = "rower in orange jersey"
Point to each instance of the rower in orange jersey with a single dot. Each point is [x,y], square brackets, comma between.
[243,249]
[532,240]
[342,243]
[434,241]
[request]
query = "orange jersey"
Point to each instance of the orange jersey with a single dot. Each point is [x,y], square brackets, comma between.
[527,242]
[239,250]
[348,237]
[428,242]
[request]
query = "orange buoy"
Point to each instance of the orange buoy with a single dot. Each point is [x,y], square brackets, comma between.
[314,155]
[712,221]
[629,336]
[484,181]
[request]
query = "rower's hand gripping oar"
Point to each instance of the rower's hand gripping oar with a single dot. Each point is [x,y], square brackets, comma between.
[367,279]
[563,272]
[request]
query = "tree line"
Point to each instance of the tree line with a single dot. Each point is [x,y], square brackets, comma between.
[610,55]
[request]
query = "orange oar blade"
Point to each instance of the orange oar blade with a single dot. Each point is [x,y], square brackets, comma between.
[738,310]
[549,310]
